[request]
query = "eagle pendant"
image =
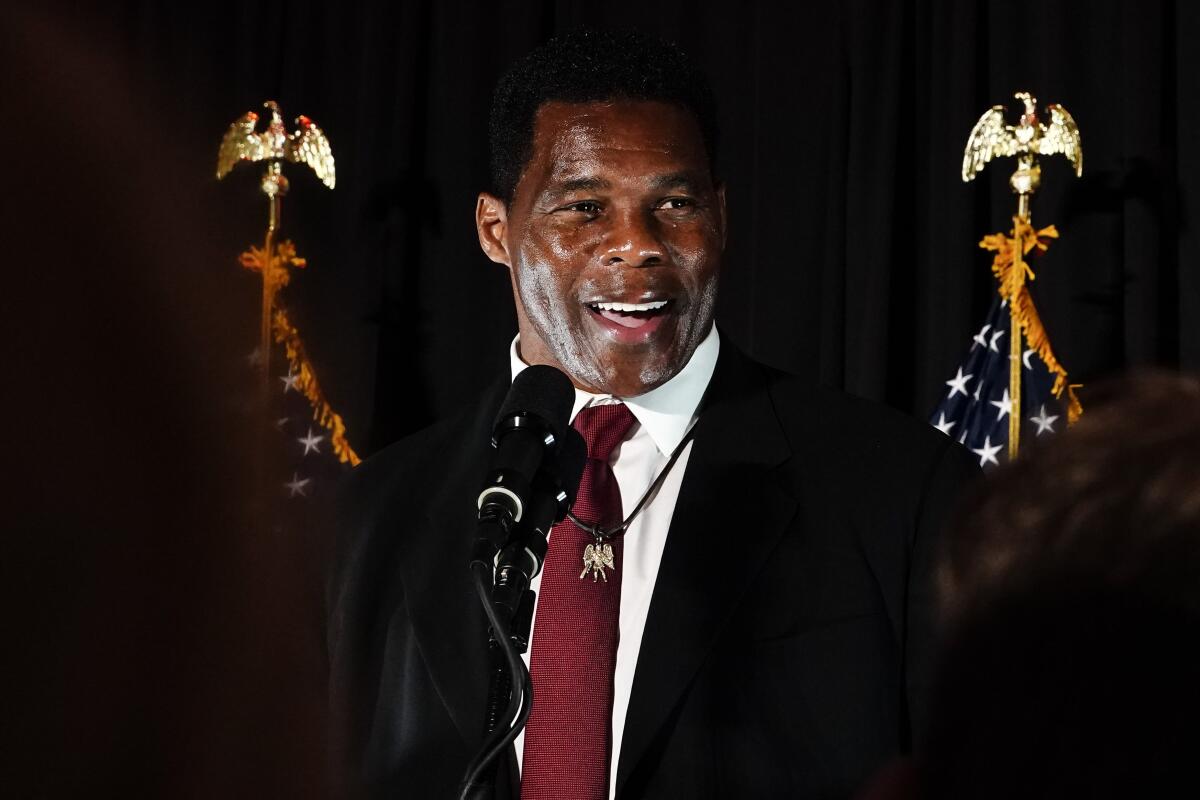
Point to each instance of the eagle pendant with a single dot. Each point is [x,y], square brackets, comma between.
[595,558]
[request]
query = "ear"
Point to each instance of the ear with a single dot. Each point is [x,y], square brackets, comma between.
[491,223]
[724,221]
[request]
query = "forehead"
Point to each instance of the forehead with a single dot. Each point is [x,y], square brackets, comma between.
[627,138]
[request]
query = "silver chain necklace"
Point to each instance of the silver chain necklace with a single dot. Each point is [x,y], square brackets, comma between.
[599,554]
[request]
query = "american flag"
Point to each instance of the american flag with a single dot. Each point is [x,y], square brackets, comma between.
[309,467]
[975,409]
[308,449]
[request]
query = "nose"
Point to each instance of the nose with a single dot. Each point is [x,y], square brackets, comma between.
[633,240]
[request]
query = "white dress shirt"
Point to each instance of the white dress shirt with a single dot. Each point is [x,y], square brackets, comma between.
[664,415]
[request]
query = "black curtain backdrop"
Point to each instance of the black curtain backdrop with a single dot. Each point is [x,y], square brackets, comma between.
[852,254]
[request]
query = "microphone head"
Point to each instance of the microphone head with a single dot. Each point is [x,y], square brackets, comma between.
[547,395]
[538,453]
[543,392]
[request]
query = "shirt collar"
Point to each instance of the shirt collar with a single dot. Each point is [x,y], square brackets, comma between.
[666,412]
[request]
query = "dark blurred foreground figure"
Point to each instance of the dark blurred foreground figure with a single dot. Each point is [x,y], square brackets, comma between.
[1073,591]
[157,645]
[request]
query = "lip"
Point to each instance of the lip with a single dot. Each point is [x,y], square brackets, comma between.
[622,334]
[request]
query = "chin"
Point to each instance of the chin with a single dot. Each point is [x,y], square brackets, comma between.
[604,364]
[637,379]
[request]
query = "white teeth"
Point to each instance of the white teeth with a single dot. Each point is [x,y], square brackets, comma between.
[653,306]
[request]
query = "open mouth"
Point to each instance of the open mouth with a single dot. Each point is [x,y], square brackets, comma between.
[631,315]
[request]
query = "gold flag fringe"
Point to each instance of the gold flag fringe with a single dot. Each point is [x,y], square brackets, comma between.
[287,335]
[1013,288]
[275,271]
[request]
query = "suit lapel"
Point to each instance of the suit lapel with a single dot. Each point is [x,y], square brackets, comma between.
[730,504]
[450,626]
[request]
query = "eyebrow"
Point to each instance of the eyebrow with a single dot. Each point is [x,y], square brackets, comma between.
[586,184]
[681,179]
[592,183]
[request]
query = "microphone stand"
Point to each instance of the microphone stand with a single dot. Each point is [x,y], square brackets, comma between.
[508,671]
[503,590]
[500,682]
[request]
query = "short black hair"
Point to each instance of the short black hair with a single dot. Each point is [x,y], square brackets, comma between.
[587,66]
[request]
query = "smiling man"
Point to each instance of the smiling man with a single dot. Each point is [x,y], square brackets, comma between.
[761,624]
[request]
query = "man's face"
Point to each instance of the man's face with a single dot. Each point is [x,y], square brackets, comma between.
[613,240]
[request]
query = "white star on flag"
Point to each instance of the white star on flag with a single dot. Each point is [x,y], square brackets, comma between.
[311,443]
[988,452]
[995,336]
[978,387]
[1025,359]
[958,383]
[297,485]
[1043,422]
[1004,405]
[981,337]
[290,382]
[944,425]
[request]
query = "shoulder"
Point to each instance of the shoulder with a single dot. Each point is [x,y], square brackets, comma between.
[417,464]
[376,499]
[400,464]
[853,439]
[382,500]
[831,418]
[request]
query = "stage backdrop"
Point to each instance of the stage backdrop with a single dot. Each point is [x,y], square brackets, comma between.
[852,255]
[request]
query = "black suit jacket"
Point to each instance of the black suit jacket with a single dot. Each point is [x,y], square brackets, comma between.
[788,645]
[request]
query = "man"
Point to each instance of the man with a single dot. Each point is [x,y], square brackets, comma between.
[765,628]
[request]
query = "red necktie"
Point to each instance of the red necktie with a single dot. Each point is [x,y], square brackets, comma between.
[568,739]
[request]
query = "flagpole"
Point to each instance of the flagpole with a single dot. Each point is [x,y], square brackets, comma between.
[1014,343]
[274,185]
[268,299]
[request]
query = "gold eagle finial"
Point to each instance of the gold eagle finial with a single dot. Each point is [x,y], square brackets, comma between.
[307,145]
[992,138]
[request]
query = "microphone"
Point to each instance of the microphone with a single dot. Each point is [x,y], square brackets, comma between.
[537,453]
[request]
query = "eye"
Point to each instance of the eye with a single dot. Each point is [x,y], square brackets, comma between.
[677,203]
[588,207]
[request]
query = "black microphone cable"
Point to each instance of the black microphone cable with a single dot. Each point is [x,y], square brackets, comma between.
[520,702]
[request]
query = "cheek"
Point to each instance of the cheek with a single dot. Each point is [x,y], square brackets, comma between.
[540,288]
[693,243]
[546,292]
[569,246]
[698,258]
[548,265]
